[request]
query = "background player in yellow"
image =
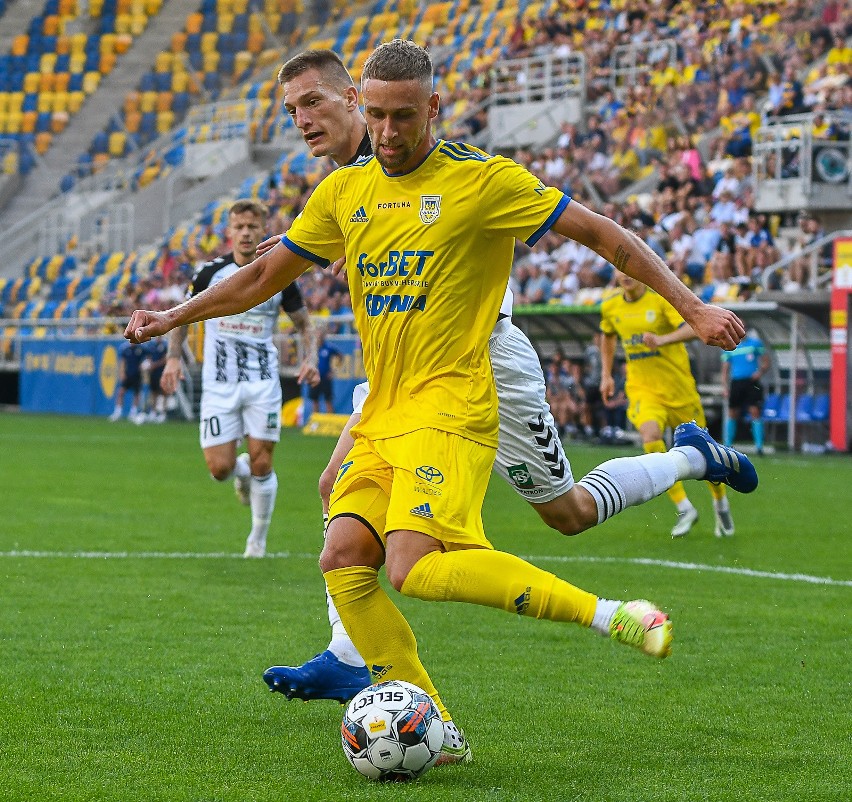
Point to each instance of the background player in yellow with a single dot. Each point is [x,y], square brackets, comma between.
[660,386]
[428,230]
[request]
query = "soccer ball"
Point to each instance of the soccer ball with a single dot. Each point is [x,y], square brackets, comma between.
[392,731]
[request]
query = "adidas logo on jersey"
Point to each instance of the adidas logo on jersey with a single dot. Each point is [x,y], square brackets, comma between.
[360,216]
[423,510]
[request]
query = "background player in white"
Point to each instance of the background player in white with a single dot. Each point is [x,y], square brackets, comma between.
[241,387]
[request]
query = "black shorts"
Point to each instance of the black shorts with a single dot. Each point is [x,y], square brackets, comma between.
[745,393]
[321,390]
[154,381]
[133,382]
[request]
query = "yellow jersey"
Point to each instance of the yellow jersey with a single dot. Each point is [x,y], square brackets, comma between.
[428,255]
[659,373]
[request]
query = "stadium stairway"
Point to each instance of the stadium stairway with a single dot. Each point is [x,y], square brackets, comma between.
[42,183]
[16,19]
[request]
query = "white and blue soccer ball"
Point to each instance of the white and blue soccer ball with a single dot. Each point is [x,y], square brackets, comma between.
[392,731]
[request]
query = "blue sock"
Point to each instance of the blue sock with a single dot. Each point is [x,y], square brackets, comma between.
[730,431]
[757,433]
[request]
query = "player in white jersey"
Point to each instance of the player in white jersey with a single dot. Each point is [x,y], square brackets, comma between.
[241,387]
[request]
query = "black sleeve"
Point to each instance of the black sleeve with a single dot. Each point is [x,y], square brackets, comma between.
[291,299]
[201,278]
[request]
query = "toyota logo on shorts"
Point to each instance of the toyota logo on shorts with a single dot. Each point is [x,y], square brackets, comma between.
[429,474]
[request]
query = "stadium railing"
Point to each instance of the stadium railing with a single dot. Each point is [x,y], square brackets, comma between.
[817,280]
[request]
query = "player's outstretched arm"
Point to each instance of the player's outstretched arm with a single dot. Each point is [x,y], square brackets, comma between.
[622,248]
[246,288]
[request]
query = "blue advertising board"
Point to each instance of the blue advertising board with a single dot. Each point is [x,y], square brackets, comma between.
[77,377]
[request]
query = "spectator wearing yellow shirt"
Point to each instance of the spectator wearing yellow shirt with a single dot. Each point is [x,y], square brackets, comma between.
[840,53]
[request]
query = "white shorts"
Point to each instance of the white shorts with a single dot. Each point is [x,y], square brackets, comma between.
[231,410]
[530,456]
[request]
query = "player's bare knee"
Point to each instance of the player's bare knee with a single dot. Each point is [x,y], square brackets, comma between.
[261,465]
[569,514]
[220,471]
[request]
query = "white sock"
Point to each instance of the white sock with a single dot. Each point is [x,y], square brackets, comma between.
[262,495]
[604,611]
[684,505]
[721,504]
[629,481]
[341,645]
[690,461]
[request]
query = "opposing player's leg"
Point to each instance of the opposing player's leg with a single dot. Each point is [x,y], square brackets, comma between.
[531,458]
[339,672]
[261,411]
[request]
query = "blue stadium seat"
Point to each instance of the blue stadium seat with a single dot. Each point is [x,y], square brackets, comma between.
[771,406]
[821,408]
[804,407]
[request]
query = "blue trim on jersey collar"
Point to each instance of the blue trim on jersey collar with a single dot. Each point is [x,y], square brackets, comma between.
[413,169]
[300,251]
[545,226]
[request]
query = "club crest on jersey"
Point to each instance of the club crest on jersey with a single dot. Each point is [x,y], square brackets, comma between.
[430,208]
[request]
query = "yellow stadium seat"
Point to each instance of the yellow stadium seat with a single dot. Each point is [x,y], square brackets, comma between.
[131,102]
[224,6]
[42,142]
[47,62]
[180,80]
[107,63]
[132,121]
[31,82]
[239,6]
[63,45]
[178,42]
[78,42]
[45,102]
[117,143]
[20,44]
[47,82]
[123,6]
[122,23]
[96,7]
[91,80]
[50,26]
[211,62]
[148,102]
[123,41]
[164,101]
[77,63]
[138,24]
[60,102]
[256,42]
[225,22]
[63,79]
[106,43]
[242,61]
[75,101]
[165,121]
[28,122]
[255,24]
[6,161]
[16,101]
[163,62]
[209,40]
[194,22]
[152,7]
[67,8]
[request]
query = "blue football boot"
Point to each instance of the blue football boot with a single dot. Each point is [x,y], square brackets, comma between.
[723,464]
[323,677]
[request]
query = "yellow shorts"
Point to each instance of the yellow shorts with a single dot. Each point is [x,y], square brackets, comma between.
[642,410]
[426,481]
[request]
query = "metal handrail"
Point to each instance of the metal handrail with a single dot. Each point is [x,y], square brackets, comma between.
[812,250]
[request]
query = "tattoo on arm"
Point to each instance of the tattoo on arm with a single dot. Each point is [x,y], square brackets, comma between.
[621,258]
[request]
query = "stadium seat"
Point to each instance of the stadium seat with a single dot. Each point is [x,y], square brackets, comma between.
[771,406]
[821,408]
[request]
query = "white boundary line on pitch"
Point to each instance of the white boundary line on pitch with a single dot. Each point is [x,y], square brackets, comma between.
[222,555]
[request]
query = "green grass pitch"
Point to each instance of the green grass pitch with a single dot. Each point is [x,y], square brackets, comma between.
[133,637]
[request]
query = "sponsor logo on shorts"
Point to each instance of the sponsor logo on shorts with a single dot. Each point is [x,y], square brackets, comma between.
[423,510]
[429,474]
[520,476]
[272,420]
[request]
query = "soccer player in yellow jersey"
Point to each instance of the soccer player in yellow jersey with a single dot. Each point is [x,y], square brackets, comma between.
[660,387]
[427,228]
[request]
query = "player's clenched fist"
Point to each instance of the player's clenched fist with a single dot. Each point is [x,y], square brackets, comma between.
[145,324]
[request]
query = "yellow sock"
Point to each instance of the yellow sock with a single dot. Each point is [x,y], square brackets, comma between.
[497,579]
[378,629]
[676,492]
[718,490]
